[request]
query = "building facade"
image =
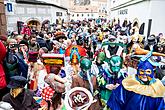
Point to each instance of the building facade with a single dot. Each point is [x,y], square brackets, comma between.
[148,13]
[2,18]
[33,13]
[87,9]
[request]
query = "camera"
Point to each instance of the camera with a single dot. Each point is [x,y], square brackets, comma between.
[11,46]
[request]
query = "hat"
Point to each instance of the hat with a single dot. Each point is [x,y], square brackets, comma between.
[59,35]
[3,38]
[33,56]
[151,40]
[17,81]
[24,42]
[45,49]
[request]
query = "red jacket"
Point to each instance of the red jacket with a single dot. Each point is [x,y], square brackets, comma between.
[2,56]
[26,30]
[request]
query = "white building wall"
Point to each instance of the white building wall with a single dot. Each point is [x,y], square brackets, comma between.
[85,16]
[157,8]
[53,14]
[26,12]
[144,11]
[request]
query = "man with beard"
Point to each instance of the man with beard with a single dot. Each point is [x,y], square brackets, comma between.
[110,78]
[33,45]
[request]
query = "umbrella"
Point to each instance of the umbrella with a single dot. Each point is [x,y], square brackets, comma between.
[70,49]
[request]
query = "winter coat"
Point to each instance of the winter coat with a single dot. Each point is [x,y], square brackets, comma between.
[2,56]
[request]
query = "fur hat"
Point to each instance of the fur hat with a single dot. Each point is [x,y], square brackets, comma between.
[59,35]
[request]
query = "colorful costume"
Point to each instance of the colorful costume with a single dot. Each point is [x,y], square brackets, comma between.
[113,76]
[135,93]
[85,79]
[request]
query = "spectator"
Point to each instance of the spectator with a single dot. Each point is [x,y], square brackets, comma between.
[33,45]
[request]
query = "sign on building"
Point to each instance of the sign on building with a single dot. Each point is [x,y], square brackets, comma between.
[58,13]
[9,7]
[123,12]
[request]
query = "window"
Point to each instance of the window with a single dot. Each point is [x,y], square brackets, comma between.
[88,15]
[82,15]
[77,15]
[73,15]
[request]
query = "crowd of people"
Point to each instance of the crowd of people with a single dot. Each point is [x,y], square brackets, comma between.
[80,65]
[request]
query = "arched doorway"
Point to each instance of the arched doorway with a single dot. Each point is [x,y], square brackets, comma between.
[135,23]
[34,25]
[135,26]
[45,25]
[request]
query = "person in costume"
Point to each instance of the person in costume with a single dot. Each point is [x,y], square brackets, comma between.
[86,79]
[20,98]
[151,43]
[112,49]
[140,91]
[73,66]
[99,64]
[60,37]
[110,78]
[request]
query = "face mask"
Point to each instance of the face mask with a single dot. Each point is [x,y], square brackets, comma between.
[15,92]
[145,69]
[145,73]
[115,64]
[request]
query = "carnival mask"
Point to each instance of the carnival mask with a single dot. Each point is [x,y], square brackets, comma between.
[15,91]
[85,64]
[100,58]
[145,70]
[115,64]
[74,56]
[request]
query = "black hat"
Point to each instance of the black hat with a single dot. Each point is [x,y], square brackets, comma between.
[151,40]
[24,42]
[17,81]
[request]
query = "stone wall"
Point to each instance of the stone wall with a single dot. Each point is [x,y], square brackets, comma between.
[2,18]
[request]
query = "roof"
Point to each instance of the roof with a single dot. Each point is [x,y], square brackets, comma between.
[36,2]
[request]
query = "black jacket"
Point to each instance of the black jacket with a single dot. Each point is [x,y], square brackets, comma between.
[24,101]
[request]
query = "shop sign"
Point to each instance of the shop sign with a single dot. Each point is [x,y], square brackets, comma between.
[58,13]
[9,7]
[123,12]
